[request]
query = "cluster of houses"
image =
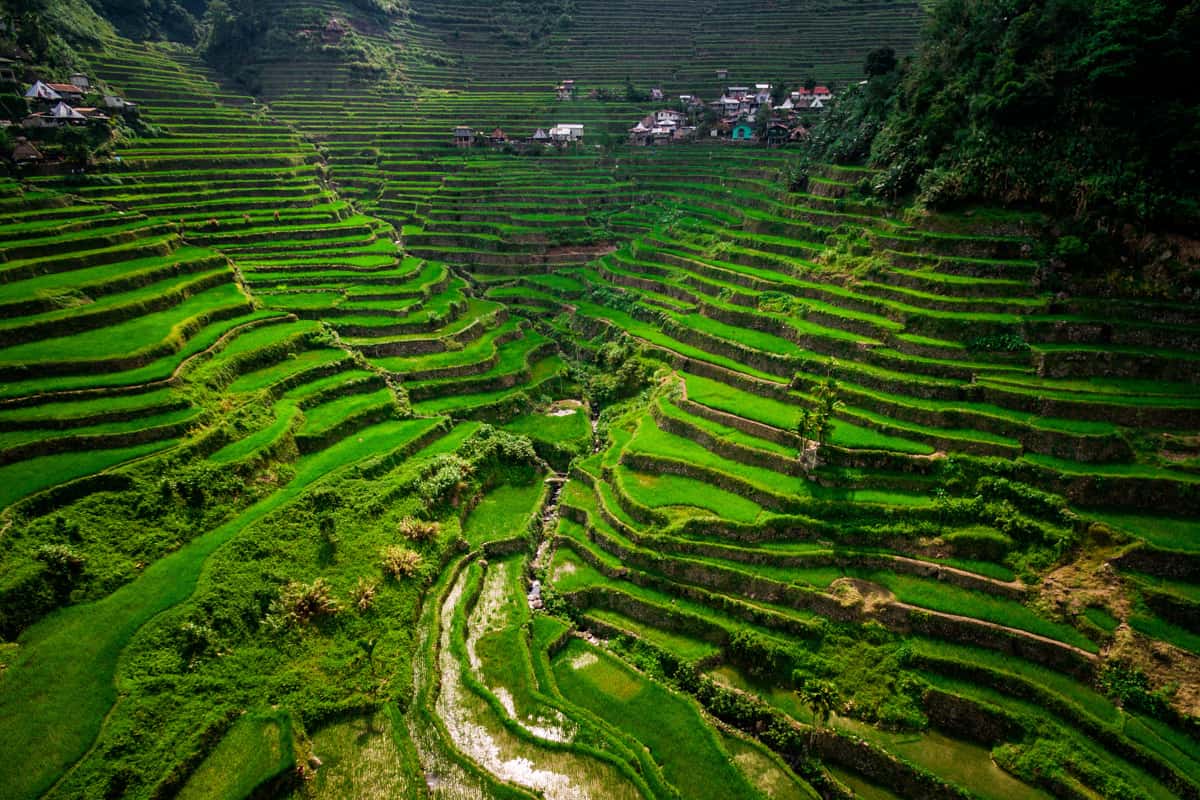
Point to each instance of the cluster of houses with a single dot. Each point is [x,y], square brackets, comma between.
[662,127]
[559,135]
[57,105]
[60,104]
[738,112]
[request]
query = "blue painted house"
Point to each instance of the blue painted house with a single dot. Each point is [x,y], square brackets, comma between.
[742,132]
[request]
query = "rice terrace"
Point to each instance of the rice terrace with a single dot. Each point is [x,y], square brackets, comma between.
[579,399]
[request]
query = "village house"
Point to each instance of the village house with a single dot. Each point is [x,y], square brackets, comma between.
[497,137]
[669,116]
[727,106]
[463,136]
[778,134]
[540,136]
[566,133]
[114,103]
[641,133]
[93,114]
[656,95]
[62,114]
[565,90]
[81,82]
[663,127]
[25,153]
[742,132]
[722,74]
[42,92]
[69,92]
[684,133]
[8,70]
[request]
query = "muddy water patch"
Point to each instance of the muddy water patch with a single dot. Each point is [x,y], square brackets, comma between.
[445,778]
[479,734]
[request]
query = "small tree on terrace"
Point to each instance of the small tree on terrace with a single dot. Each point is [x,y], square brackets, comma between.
[821,697]
[827,404]
[815,424]
[805,429]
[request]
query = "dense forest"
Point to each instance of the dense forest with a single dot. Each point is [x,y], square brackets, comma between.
[1077,107]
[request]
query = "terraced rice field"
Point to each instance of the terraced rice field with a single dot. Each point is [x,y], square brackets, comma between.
[268,350]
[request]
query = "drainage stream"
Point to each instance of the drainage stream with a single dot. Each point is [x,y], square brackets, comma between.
[476,731]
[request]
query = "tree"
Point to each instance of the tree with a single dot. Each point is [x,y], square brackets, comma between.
[762,121]
[821,697]
[633,94]
[827,404]
[804,428]
[880,61]
[778,92]
[75,146]
[810,83]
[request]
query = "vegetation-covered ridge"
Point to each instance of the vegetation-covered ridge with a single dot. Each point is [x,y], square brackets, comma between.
[1071,107]
[337,461]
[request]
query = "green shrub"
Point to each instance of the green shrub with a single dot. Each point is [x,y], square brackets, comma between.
[299,603]
[400,562]
[986,544]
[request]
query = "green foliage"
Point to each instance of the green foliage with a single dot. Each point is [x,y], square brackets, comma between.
[153,19]
[858,671]
[762,658]
[61,560]
[999,343]
[526,22]
[620,371]
[419,530]
[979,542]
[1058,763]
[237,37]
[443,479]
[50,30]
[880,61]
[1130,687]
[635,95]
[230,35]
[490,448]
[1062,103]
[816,423]
[846,132]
